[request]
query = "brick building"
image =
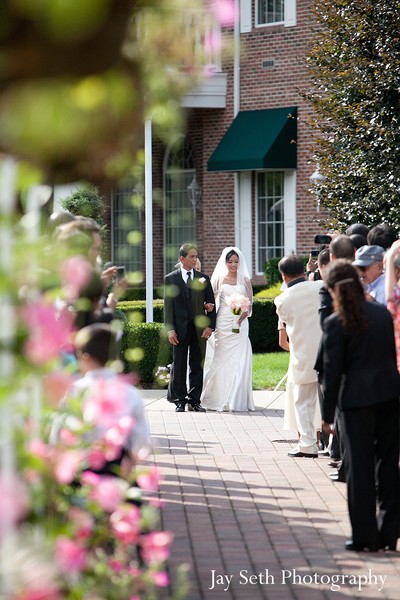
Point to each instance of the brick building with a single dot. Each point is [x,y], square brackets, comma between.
[241,175]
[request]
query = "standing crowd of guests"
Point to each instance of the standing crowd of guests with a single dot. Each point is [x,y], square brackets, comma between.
[343,316]
[340,322]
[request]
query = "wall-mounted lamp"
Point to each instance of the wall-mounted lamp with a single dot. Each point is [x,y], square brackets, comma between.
[316,178]
[194,191]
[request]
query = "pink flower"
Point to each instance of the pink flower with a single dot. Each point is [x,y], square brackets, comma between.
[149,479]
[96,458]
[106,403]
[225,11]
[67,465]
[82,521]
[160,578]
[68,438]
[116,565]
[38,448]
[125,523]
[90,478]
[14,502]
[75,274]
[71,557]
[48,592]
[107,493]
[115,437]
[47,332]
[238,303]
[156,546]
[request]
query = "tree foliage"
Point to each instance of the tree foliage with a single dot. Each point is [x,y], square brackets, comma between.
[78,79]
[354,65]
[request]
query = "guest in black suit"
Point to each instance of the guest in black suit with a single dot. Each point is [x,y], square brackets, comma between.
[189,326]
[360,376]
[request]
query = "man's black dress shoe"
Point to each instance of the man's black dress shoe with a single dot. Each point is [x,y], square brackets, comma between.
[180,407]
[300,454]
[196,407]
[355,547]
[391,546]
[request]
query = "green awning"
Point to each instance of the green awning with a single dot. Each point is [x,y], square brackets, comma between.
[258,139]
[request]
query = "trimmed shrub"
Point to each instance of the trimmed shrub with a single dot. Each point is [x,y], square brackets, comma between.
[135,311]
[263,326]
[144,348]
[139,293]
[271,271]
[263,323]
[269,293]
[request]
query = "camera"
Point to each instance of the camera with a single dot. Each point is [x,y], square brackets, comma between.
[314,253]
[120,272]
[321,238]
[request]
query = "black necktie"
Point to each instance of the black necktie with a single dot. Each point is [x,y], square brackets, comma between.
[189,278]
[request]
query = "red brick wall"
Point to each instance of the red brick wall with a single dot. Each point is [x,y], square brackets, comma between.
[261,88]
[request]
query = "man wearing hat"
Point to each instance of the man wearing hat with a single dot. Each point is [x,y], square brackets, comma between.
[369,261]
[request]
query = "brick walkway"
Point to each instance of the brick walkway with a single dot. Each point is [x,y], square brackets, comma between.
[250,522]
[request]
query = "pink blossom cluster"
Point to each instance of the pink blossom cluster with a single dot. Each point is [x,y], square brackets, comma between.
[97,521]
[94,530]
[225,11]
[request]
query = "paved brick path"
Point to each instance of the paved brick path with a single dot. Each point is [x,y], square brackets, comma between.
[250,522]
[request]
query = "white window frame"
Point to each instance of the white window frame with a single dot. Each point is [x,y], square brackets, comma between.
[289,15]
[289,227]
[185,173]
[122,252]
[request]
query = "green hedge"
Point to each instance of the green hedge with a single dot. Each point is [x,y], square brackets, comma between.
[262,332]
[145,347]
[135,311]
[263,326]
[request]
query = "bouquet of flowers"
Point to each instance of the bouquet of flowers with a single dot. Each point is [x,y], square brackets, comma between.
[238,304]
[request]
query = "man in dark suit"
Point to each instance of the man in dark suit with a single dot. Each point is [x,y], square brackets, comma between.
[187,292]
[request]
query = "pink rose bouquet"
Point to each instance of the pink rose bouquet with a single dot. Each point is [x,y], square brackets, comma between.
[238,304]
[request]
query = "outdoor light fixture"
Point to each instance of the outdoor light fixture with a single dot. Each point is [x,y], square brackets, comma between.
[194,191]
[316,178]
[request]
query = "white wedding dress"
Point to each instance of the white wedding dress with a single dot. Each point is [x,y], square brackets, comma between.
[228,366]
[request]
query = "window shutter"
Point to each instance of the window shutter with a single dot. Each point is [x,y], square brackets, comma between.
[290,13]
[245,16]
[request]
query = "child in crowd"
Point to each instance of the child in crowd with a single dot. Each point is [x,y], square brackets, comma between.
[106,398]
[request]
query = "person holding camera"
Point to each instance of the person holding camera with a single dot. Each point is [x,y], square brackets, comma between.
[300,333]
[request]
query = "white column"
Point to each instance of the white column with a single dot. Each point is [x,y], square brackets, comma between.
[148,203]
[8,170]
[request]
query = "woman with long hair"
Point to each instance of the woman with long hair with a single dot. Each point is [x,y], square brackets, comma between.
[228,372]
[361,378]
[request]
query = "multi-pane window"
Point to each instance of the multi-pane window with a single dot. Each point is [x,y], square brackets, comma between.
[179,212]
[270,11]
[270,213]
[127,227]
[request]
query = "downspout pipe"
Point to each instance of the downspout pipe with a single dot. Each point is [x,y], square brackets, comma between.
[236,109]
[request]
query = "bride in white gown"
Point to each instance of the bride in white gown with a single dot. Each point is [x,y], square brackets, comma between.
[228,368]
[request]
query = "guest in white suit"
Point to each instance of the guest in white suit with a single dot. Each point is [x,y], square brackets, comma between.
[299,333]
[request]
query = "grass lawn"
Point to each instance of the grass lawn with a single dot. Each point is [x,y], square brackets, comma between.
[268,370]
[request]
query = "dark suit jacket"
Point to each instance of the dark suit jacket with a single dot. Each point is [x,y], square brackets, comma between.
[359,369]
[176,309]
